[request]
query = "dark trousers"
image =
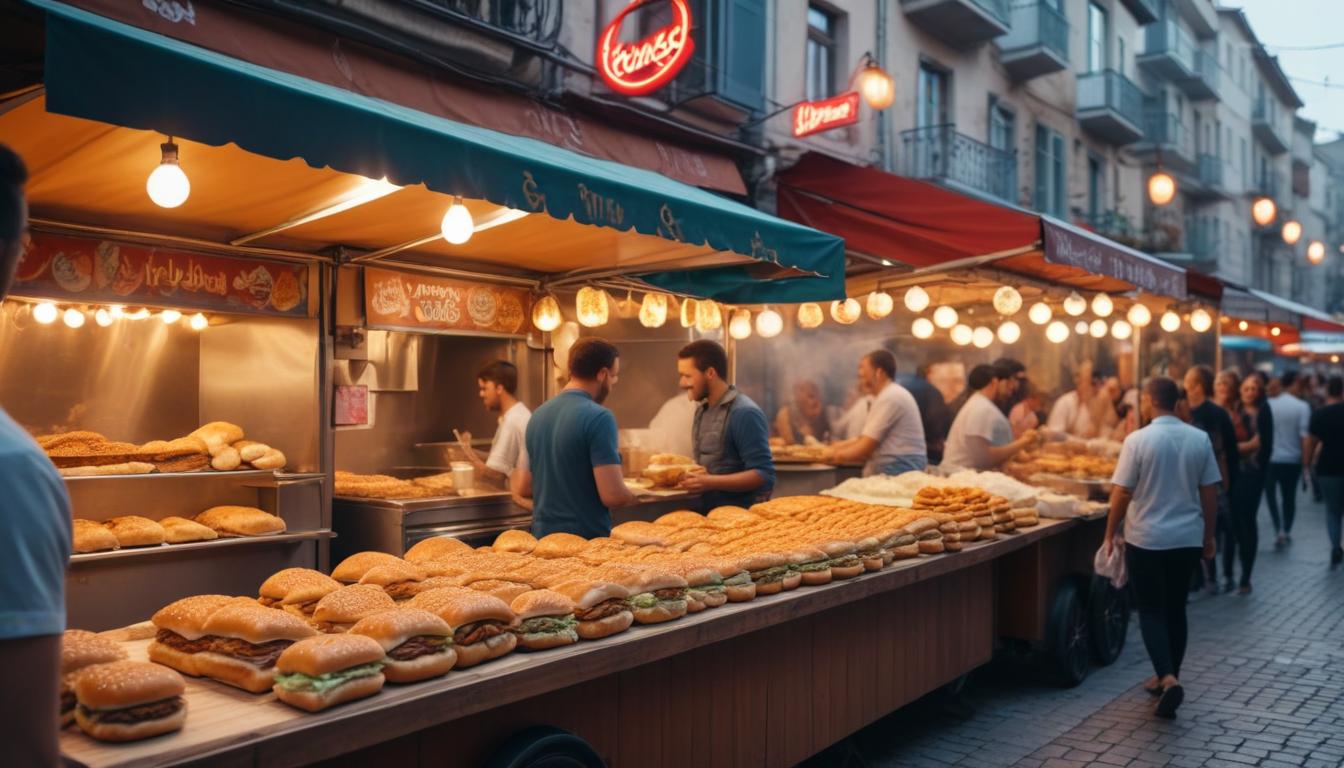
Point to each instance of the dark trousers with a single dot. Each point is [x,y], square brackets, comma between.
[1283,479]
[1333,489]
[1246,493]
[1227,542]
[1159,578]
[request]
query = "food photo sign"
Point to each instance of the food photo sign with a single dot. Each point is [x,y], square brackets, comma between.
[402,300]
[78,269]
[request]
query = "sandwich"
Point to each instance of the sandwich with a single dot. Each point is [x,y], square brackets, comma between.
[483,623]
[870,552]
[180,530]
[845,562]
[660,596]
[399,580]
[129,700]
[241,521]
[296,590]
[90,536]
[641,534]
[517,541]
[546,620]
[185,454]
[559,545]
[435,548]
[179,630]
[600,608]
[903,546]
[339,610]
[352,569]
[812,565]
[239,645]
[768,572]
[135,531]
[81,648]
[505,590]
[704,589]
[931,542]
[323,671]
[417,644]
[738,586]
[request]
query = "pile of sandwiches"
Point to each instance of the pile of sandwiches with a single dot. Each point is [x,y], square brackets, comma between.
[218,445]
[981,516]
[112,698]
[667,470]
[136,531]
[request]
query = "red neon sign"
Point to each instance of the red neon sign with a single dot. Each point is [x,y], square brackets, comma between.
[816,116]
[635,69]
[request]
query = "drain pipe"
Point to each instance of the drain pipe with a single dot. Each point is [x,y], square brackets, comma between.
[883,155]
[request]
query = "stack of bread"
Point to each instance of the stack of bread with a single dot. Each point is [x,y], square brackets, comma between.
[138,531]
[667,470]
[387,487]
[218,445]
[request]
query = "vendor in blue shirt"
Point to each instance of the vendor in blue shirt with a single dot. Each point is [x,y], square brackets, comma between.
[730,434]
[570,467]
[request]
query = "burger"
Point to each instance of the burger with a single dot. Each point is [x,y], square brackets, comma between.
[435,548]
[296,590]
[812,566]
[238,645]
[483,623]
[704,588]
[399,580]
[931,542]
[353,568]
[682,519]
[180,630]
[323,671]
[520,542]
[903,545]
[81,648]
[737,584]
[129,700]
[600,607]
[845,562]
[418,645]
[870,552]
[660,596]
[767,571]
[559,545]
[338,611]
[546,620]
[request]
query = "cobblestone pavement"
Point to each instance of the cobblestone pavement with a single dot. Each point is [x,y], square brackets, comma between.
[1264,681]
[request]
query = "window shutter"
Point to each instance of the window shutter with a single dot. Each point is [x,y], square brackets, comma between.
[739,44]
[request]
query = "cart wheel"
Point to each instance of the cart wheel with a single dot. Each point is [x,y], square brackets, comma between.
[1107,619]
[1068,650]
[545,747]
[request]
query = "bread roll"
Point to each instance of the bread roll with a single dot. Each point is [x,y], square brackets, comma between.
[241,521]
[135,531]
[272,459]
[93,537]
[219,435]
[180,530]
[251,450]
[226,459]
[127,468]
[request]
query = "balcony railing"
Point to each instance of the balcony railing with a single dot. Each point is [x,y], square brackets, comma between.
[1166,132]
[1038,23]
[938,152]
[1168,41]
[534,20]
[1113,224]
[1208,75]
[1210,171]
[960,23]
[1201,239]
[1110,104]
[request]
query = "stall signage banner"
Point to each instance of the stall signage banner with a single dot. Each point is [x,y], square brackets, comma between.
[410,301]
[79,269]
[816,116]
[1099,256]
[644,66]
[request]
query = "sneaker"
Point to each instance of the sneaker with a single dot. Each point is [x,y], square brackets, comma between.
[1336,557]
[1229,586]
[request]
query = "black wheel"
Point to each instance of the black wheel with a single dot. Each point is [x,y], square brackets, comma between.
[1107,620]
[544,747]
[1068,652]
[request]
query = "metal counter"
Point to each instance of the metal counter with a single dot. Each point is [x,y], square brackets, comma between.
[811,479]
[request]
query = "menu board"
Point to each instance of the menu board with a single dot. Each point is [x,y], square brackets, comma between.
[78,269]
[411,301]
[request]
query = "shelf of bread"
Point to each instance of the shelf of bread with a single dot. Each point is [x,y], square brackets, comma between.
[217,447]
[229,541]
[237,473]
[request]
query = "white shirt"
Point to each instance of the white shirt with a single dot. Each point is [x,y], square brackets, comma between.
[893,421]
[850,423]
[1292,417]
[1164,465]
[671,426]
[981,418]
[1072,416]
[507,447]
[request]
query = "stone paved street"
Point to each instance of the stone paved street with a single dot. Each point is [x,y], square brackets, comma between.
[1264,681]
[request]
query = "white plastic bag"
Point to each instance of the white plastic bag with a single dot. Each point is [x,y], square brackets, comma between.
[1112,567]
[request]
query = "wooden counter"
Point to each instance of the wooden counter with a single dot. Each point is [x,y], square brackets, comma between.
[771,682]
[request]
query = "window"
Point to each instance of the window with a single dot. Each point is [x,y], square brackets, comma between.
[931,108]
[1095,185]
[1120,54]
[820,53]
[1245,164]
[1000,127]
[1096,37]
[1049,172]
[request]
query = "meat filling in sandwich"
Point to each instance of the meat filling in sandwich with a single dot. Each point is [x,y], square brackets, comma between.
[770,575]
[420,645]
[263,655]
[132,715]
[477,631]
[602,610]
[547,625]
[652,599]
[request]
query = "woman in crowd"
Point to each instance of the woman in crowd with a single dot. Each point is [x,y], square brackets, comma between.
[804,417]
[1255,438]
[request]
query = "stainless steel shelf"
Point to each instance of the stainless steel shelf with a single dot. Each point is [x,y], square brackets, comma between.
[163,549]
[238,473]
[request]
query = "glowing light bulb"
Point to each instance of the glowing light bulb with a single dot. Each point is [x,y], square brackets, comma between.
[1040,313]
[546,314]
[1075,305]
[116,310]
[45,313]
[769,323]
[457,226]
[1098,329]
[1010,332]
[1316,252]
[653,310]
[945,317]
[103,317]
[688,312]
[880,304]
[1170,322]
[1102,306]
[1275,331]
[1263,211]
[708,316]
[875,86]
[740,326]
[1121,329]
[168,185]
[1243,325]
[1140,316]
[916,299]
[1161,188]
[199,322]
[73,318]
[921,328]
[845,312]
[1080,327]
[1200,320]
[982,337]
[1057,332]
[962,334]
[1292,231]
[139,314]
[1007,301]
[592,307]
[170,316]
[809,315]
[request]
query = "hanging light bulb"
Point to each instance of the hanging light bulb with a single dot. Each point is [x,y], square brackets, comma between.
[102,317]
[982,337]
[457,226]
[880,304]
[708,316]
[653,310]
[962,334]
[1098,329]
[1161,188]
[1057,332]
[546,314]
[1080,327]
[116,311]
[916,299]
[1263,211]
[740,326]
[1170,322]
[1243,326]
[845,312]
[1292,231]
[921,328]
[1140,316]
[1275,331]
[1121,329]
[875,85]
[139,314]
[1102,306]
[1010,332]
[1316,252]
[1040,313]
[809,315]
[198,322]
[170,316]
[945,317]
[1007,301]
[592,307]
[688,312]
[1200,320]
[167,184]
[45,313]
[73,318]
[1075,305]
[769,323]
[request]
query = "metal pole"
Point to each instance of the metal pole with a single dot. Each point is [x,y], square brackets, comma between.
[883,155]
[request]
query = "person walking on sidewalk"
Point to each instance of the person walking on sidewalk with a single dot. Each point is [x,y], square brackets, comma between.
[1217,423]
[1326,444]
[1254,424]
[1165,490]
[1292,416]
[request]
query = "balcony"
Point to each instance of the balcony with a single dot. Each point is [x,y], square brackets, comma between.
[1270,184]
[536,21]
[1202,85]
[1110,106]
[1144,11]
[1208,179]
[1263,119]
[1200,14]
[938,153]
[1168,52]
[1167,140]
[960,23]
[1197,247]
[1038,42]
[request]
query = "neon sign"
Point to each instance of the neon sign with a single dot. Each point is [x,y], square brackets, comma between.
[816,116]
[642,67]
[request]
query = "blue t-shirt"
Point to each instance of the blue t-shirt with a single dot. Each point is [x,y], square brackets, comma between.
[744,444]
[568,436]
[35,547]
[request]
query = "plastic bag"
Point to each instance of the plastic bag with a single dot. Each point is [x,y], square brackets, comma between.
[1112,567]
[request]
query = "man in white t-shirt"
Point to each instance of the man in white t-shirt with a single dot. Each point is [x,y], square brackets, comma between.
[981,437]
[1292,422]
[891,440]
[1072,412]
[498,383]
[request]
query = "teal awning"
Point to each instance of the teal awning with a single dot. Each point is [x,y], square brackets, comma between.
[103,70]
